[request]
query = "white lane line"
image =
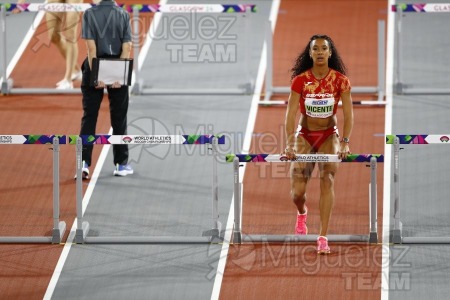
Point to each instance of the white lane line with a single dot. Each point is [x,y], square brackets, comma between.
[26,40]
[246,148]
[387,153]
[87,196]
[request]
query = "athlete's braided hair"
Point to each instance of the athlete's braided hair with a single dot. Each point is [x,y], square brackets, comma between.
[304,61]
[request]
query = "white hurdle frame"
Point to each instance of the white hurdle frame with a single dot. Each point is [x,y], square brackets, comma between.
[380,89]
[397,232]
[238,237]
[59,227]
[208,236]
[399,87]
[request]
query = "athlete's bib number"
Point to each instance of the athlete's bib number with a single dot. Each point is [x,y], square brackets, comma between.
[319,108]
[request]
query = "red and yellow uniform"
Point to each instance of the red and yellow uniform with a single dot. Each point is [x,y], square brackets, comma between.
[319,98]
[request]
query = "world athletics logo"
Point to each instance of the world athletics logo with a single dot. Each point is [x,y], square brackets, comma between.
[127,140]
[444,139]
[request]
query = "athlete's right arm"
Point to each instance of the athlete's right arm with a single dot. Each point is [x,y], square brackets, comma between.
[291,113]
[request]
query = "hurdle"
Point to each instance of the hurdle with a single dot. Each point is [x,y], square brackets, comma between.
[399,9]
[410,139]
[237,159]
[208,236]
[59,227]
[138,87]
[379,90]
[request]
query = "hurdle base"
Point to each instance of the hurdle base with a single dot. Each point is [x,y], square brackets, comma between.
[25,240]
[425,91]
[172,92]
[373,238]
[137,88]
[237,237]
[214,234]
[58,233]
[425,240]
[146,240]
[44,91]
[294,238]
[80,234]
[397,236]
[6,86]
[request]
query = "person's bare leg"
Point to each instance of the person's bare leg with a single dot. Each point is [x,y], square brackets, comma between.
[327,174]
[300,175]
[70,35]
[63,30]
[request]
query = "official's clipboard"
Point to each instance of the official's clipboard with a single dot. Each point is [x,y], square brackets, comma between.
[110,70]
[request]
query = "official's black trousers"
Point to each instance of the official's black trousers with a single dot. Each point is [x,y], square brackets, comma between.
[118,107]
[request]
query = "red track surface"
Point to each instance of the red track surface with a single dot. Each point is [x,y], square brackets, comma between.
[253,271]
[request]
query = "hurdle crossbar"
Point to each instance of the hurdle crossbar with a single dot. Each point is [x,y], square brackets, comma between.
[411,139]
[378,90]
[237,159]
[59,227]
[399,9]
[208,236]
[145,8]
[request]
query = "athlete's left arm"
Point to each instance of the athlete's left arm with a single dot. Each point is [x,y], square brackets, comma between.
[347,106]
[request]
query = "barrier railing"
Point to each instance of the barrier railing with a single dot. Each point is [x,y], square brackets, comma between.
[411,139]
[59,227]
[399,9]
[237,159]
[208,236]
[135,9]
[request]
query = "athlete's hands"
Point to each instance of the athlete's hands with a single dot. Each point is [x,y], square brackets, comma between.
[289,153]
[344,150]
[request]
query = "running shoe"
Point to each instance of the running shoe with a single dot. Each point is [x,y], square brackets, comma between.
[123,170]
[76,76]
[84,171]
[322,245]
[301,228]
[64,85]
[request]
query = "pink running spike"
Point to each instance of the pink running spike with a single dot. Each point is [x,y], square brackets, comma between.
[322,245]
[301,228]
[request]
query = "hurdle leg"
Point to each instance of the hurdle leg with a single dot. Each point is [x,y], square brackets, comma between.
[4,87]
[136,89]
[82,227]
[58,227]
[269,60]
[237,235]
[398,88]
[397,232]
[373,235]
[381,60]
[214,233]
